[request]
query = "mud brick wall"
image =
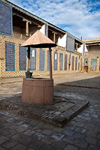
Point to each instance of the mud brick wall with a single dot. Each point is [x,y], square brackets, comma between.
[19,60]
[93,51]
[93,63]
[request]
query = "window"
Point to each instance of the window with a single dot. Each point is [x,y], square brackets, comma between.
[22,58]
[33,59]
[42,60]
[10,56]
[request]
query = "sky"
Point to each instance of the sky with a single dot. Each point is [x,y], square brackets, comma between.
[78,17]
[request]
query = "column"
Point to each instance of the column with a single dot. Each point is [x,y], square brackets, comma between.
[76,47]
[58,63]
[63,60]
[50,62]
[89,63]
[83,64]
[17,57]
[53,59]
[0,67]
[70,62]
[67,62]
[27,28]
[37,59]
[83,50]
[97,65]
[54,38]
[45,60]
[77,62]
[28,58]
[74,62]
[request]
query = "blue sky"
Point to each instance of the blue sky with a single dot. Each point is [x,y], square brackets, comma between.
[78,17]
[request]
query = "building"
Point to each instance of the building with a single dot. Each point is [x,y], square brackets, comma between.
[91,53]
[16,26]
[92,47]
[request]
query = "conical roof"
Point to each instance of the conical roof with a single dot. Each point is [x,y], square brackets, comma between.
[39,40]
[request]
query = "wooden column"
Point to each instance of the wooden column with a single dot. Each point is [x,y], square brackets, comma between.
[54,38]
[70,62]
[83,49]
[50,62]
[76,47]
[77,63]
[89,64]
[83,64]
[63,61]
[28,58]
[58,69]
[0,68]
[37,59]
[74,62]
[97,65]
[67,62]
[46,60]
[53,60]
[27,28]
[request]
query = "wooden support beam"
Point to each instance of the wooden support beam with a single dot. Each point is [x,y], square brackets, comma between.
[54,37]
[76,47]
[27,28]
[50,62]
[28,59]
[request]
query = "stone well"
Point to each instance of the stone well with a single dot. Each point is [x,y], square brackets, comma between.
[37,91]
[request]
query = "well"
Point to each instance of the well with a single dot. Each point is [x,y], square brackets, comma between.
[38,91]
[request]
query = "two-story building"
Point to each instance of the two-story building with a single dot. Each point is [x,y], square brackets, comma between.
[16,26]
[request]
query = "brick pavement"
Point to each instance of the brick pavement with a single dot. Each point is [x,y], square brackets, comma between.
[58,113]
[81,133]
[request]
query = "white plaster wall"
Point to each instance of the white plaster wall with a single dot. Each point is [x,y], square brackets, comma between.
[43,29]
[81,49]
[62,41]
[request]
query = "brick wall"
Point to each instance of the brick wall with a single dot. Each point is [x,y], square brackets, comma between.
[17,42]
[91,61]
[93,51]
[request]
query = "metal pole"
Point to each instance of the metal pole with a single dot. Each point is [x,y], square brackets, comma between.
[50,62]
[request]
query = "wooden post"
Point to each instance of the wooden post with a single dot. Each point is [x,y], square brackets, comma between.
[53,60]
[54,37]
[76,47]
[27,28]
[50,62]
[63,61]
[89,64]
[0,68]
[97,65]
[70,62]
[28,58]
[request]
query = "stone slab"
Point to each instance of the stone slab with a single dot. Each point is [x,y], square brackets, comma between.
[58,113]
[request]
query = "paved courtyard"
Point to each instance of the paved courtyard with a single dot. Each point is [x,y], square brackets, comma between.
[81,133]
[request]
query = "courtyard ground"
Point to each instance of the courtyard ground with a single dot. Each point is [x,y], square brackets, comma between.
[82,132]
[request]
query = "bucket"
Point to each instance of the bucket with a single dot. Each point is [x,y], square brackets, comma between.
[28,74]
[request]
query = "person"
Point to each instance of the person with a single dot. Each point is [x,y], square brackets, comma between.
[86,64]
